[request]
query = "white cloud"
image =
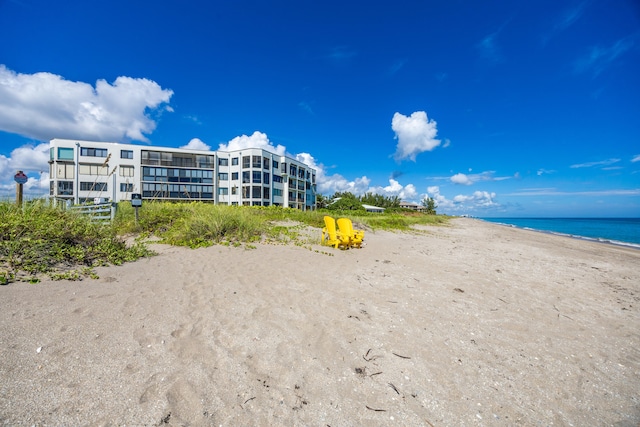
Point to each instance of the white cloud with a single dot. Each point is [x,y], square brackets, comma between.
[45,106]
[635,158]
[256,140]
[592,164]
[542,171]
[33,161]
[461,178]
[394,188]
[461,203]
[196,144]
[464,179]
[415,134]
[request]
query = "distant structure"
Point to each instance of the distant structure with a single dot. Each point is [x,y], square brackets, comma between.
[82,171]
[412,206]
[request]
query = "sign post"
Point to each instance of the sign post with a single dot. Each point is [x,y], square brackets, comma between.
[136,202]
[20,178]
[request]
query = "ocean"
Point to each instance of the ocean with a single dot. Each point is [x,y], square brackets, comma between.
[619,231]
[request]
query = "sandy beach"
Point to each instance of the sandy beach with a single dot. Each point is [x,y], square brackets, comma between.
[470,324]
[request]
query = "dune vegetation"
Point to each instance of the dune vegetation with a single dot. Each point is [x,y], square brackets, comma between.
[39,239]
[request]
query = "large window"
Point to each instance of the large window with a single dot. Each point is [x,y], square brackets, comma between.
[98,170]
[65,188]
[126,154]
[246,177]
[234,161]
[93,152]
[246,162]
[256,192]
[223,176]
[65,153]
[65,171]
[275,164]
[277,178]
[223,191]
[265,178]
[257,161]
[265,162]
[265,193]
[234,176]
[257,177]
[126,170]
[277,192]
[126,187]
[223,162]
[93,186]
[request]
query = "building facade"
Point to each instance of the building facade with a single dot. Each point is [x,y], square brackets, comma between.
[82,171]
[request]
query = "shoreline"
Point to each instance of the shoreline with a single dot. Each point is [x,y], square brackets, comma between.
[470,323]
[632,245]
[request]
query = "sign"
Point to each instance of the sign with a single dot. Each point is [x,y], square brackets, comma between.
[21,178]
[136,200]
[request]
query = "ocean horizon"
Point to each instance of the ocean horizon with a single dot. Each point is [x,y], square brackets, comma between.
[618,231]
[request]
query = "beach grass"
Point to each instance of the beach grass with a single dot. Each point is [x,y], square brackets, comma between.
[40,239]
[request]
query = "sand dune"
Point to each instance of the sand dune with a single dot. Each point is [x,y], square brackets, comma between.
[471,324]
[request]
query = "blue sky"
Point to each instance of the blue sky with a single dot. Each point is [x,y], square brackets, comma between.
[493,108]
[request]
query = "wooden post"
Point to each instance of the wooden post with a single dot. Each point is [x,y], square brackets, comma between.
[18,194]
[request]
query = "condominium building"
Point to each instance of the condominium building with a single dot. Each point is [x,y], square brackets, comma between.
[82,171]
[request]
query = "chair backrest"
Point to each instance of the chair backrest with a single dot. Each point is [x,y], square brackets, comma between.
[345,226]
[330,224]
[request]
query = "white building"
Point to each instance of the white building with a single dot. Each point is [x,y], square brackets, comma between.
[81,171]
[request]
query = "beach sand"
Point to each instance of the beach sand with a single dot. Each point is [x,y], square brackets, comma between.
[469,324]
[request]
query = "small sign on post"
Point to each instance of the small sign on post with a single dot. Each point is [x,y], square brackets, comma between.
[136,202]
[20,178]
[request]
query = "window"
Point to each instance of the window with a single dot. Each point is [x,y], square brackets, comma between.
[234,161]
[93,152]
[265,177]
[265,162]
[126,187]
[246,162]
[223,191]
[223,176]
[93,186]
[246,177]
[223,162]
[275,164]
[277,178]
[265,193]
[246,192]
[65,171]
[277,192]
[234,190]
[65,153]
[293,171]
[257,177]
[98,170]
[126,170]
[126,154]
[284,167]
[257,161]
[256,192]
[65,188]
[234,176]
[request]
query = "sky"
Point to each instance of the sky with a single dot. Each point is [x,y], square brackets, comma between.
[493,108]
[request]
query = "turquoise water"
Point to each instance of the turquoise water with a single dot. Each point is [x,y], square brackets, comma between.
[621,231]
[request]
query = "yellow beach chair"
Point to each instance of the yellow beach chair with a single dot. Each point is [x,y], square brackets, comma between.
[331,236]
[346,228]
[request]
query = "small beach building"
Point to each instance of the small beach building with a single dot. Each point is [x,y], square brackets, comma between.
[82,171]
[375,209]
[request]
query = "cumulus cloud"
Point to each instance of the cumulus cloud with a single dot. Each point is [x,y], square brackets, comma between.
[461,178]
[196,144]
[45,106]
[256,140]
[394,188]
[415,134]
[463,203]
[33,161]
